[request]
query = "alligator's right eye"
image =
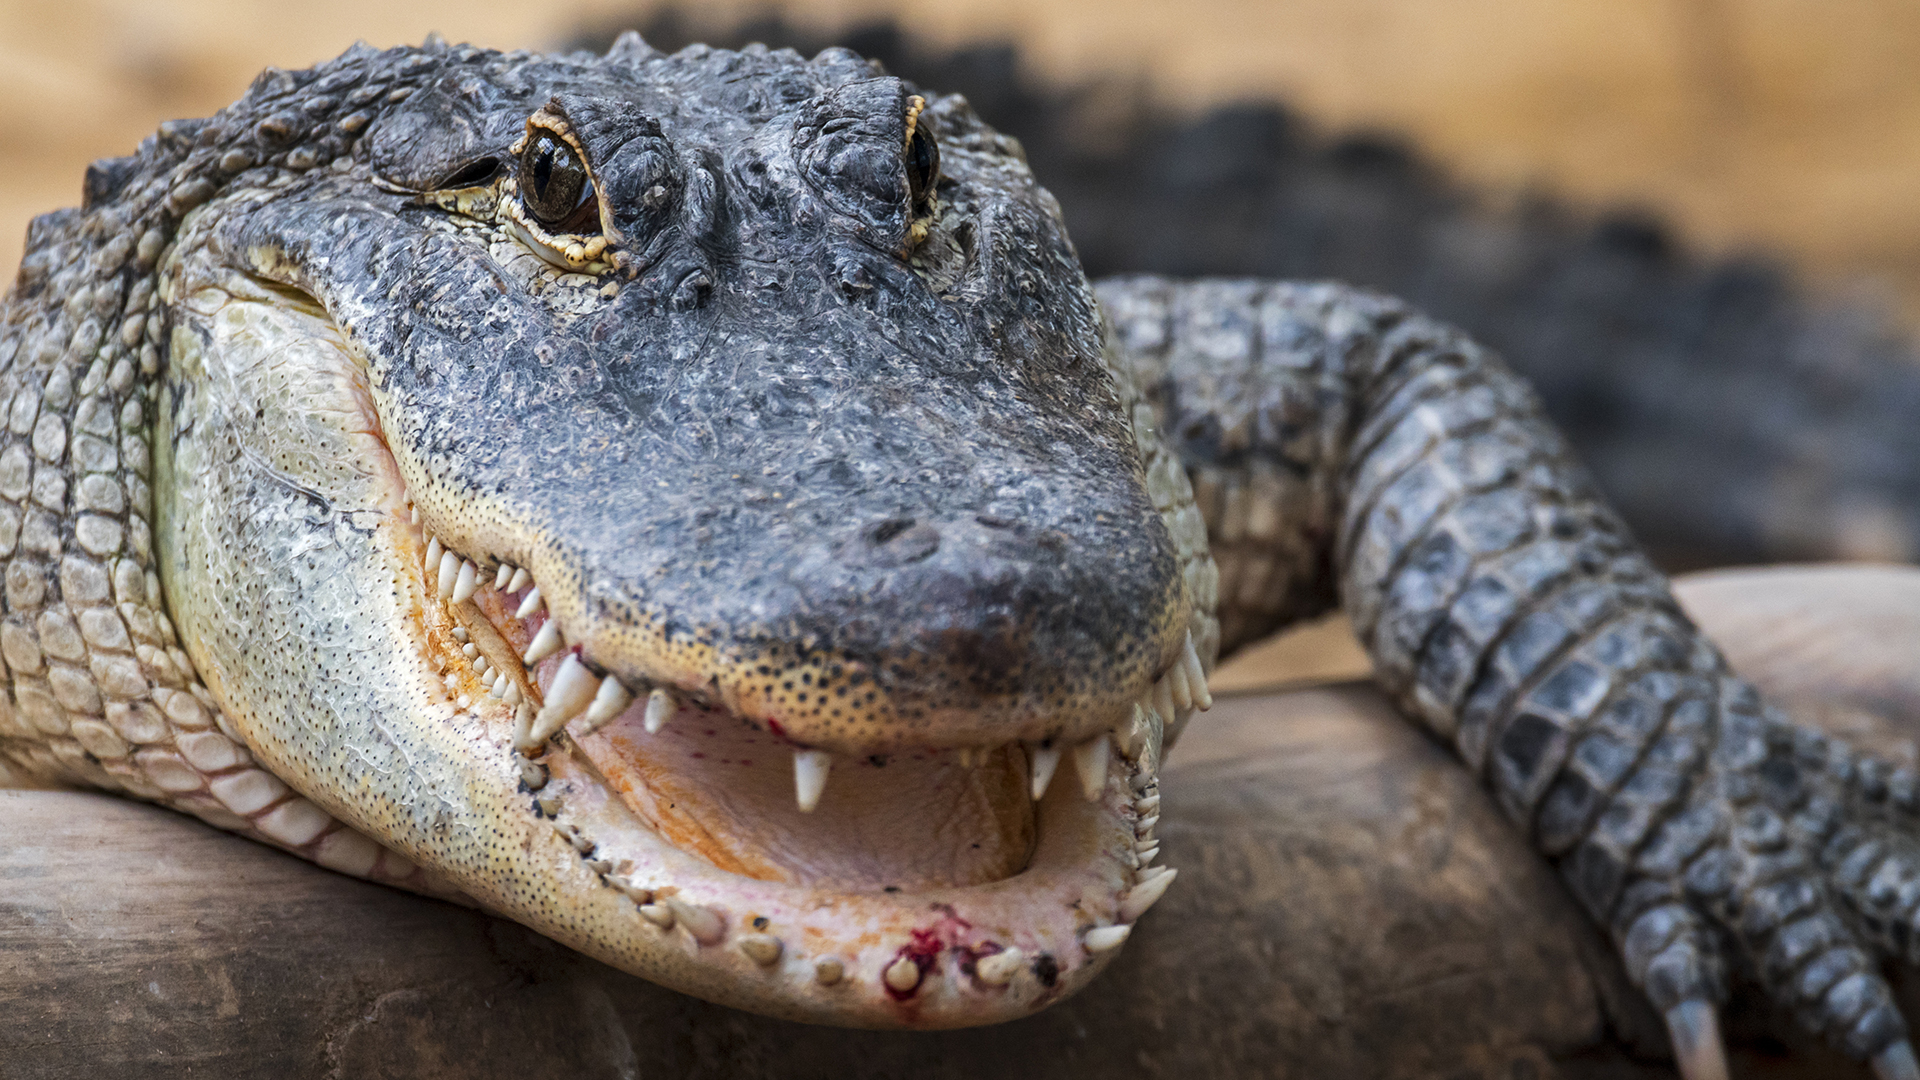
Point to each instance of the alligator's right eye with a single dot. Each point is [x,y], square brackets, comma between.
[554,186]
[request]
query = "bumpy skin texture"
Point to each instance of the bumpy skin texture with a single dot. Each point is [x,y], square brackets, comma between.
[1335,442]
[1506,608]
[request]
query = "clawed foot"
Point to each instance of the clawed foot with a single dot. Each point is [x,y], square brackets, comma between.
[1789,859]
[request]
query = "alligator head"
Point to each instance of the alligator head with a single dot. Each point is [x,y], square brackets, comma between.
[681,500]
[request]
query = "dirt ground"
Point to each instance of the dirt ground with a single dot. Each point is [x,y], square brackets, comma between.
[1789,125]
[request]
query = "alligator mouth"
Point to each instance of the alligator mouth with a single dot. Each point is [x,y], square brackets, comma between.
[929,887]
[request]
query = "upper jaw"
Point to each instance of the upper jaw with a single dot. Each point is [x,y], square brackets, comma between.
[791,943]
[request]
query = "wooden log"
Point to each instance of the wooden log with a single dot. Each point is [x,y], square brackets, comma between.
[1350,905]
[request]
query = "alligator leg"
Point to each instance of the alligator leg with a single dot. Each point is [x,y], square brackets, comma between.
[1340,444]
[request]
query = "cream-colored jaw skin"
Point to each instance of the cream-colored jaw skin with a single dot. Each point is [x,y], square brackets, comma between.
[311,621]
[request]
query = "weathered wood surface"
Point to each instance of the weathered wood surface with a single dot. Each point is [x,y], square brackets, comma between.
[1350,905]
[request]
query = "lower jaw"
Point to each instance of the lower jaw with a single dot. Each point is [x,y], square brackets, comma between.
[931,957]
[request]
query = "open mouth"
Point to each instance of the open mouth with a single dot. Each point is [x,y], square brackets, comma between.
[933,886]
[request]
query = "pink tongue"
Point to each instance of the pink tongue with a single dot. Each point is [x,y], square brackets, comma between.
[720,788]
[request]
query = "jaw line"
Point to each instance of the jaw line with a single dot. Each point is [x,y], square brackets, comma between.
[807,950]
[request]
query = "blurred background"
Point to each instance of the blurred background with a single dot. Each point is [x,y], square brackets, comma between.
[1695,224]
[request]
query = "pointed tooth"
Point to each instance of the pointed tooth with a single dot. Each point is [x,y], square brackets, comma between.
[501,576]
[828,970]
[1144,856]
[703,923]
[519,580]
[1090,760]
[1151,873]
[902,975]
[530,605]
[544,644]
[499,687]
[762,949]
[469,650]
[1045,760]
[413,515]
[465,582]
[1144,895]
[659,915]
[1000,968]
[1145,825]
[1176,677]
[434,551]
[810,777]
[449,573]
[523,740]
[572,691]
[611,701]
[660,709]
[1103,938]
[481,664]
[513,692]
[1197,677]
[460,634]
[1163,699]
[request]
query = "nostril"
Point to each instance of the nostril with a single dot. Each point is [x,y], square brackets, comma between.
[897,541]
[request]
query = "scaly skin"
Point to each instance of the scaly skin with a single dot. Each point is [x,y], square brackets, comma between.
[810,457]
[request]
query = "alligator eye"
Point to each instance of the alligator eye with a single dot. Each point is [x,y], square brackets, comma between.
[923,166]
[554,186]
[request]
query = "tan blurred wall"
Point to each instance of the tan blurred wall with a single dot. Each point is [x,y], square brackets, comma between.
[1790,124]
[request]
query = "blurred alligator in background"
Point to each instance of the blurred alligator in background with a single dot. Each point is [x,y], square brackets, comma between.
[1731,417]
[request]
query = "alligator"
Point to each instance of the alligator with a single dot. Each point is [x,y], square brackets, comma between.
[697,506]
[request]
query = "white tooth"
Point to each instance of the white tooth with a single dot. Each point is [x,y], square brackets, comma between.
[413,515]
[762,949]
[466,583]
[1090,760]
[502,576]
[1145,825]
[460,634]
[1176,677]
[810,777]
[480,665]
[572,691]
[703,923]
[1197,677]
[522,729]
[1145,855]
[545,643]
[432,561]
[1102,938]
[513,692]
[902,975]
[519,580]
[1144,895]
[1152,873]
[1147,805]
[449,573]
[659,915]
[611,701]
[1163,699]
[499,687]
[470,650]
[1045,759]
[660,709]
[530,605]
[1000,968]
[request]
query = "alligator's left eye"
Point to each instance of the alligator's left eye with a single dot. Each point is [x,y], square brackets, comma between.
[923,166]
[554,186]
